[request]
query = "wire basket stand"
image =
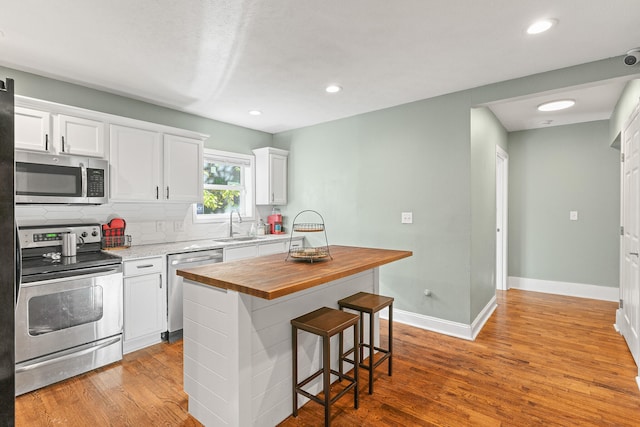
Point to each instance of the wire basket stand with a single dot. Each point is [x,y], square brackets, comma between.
[309,253]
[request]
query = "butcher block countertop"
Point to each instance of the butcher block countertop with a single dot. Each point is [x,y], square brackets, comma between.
[271,277]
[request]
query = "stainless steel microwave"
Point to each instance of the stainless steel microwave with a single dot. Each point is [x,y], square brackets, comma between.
[51,179]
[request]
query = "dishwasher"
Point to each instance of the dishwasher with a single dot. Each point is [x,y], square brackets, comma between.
[182,261]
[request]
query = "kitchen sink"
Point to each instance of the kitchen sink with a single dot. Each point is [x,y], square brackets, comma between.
[238,239]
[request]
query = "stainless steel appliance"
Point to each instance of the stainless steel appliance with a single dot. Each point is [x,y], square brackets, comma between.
[9,283]
[46,178]
[69,310]
[174,286]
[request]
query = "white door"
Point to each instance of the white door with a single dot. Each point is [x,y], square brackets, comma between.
[81,136]
[629,280]
[502,162]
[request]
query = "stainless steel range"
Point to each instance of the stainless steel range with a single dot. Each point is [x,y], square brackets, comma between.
[69,310]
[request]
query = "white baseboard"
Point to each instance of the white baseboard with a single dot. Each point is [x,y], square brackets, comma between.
[581,290]
[442,326]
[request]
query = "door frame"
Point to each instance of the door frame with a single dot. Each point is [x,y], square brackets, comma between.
[502,199]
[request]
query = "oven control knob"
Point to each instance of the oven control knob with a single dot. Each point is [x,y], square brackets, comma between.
[94,233]
[84,234]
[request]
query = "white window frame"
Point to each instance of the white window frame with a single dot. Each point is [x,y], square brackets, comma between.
[247,161]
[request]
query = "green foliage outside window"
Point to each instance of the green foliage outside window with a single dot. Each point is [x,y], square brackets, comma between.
[216,199]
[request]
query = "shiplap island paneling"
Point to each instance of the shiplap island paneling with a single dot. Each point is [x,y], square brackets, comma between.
[237,332]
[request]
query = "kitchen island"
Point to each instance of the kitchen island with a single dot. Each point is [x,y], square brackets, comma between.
[237,332]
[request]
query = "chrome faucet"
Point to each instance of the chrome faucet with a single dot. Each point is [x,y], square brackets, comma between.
[231,221]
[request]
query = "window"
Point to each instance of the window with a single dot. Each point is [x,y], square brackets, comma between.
[227,185]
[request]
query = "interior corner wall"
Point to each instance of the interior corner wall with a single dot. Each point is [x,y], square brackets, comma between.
[625,105]
[553,171]
[486,133]
[361,172]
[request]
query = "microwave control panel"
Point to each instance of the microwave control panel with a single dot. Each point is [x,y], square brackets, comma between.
[95,182]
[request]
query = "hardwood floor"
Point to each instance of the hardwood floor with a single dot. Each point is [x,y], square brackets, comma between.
[540,360]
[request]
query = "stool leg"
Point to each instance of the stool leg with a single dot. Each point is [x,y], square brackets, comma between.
[361,346]
[390,337]
[340,356]
[294,352]
[356,364]
[371,350]
[326,374]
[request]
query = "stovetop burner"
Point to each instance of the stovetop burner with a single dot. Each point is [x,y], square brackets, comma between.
[41,246]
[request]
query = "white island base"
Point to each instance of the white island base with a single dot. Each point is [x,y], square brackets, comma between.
[237,349]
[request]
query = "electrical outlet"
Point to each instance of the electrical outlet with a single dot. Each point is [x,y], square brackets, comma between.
[407,217]
[573,215]
[178,226]
[160,226]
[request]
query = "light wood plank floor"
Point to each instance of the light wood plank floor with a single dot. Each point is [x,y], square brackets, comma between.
[541,360]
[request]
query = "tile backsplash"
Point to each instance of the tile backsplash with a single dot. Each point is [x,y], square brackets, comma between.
[146,222]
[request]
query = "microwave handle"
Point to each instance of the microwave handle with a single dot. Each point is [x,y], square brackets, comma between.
[83,172]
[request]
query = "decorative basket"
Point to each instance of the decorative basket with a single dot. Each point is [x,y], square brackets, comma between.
[116,242]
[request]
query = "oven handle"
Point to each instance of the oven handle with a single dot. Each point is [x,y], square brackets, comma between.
[53,359]
[81,274]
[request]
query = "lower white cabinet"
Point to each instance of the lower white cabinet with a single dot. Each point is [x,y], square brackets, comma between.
[145,298]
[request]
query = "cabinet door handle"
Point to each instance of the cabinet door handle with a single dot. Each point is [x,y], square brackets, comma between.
[157,192]
[273,197]
[62,137]
[160,281]
[633,253]
[167,192]
[46,142]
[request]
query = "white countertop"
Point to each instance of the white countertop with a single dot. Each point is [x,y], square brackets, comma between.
[161,249]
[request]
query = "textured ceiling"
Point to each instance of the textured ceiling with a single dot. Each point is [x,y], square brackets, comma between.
[222,58]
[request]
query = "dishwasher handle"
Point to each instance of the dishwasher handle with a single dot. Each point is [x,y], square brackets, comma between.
[205,258]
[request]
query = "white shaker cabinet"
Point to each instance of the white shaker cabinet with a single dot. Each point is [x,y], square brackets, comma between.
[151,166]
[32,129]
[40,130]
[80,136]
[182,169]
[145,297]
[135,161]
[271,176]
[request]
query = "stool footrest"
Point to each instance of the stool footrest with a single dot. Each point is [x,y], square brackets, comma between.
[336,397]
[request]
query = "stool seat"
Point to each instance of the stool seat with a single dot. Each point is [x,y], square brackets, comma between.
[325,322]
[368,303]
[364,301]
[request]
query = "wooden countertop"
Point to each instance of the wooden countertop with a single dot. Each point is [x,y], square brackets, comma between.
[271,277]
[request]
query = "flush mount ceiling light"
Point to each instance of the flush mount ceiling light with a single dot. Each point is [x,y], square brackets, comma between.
[541,26]
[556,105]
[255,112]
[333,89]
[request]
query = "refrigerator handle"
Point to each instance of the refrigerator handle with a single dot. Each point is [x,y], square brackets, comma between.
[18,263]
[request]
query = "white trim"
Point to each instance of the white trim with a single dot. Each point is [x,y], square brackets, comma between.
[502,154]
[442,326]
[581,290]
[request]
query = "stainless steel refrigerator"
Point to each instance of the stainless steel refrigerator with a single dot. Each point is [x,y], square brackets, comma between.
[9,256]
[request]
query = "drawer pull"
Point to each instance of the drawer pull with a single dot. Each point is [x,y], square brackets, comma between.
[145,266]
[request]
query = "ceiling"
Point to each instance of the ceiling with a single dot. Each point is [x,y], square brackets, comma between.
[222,58]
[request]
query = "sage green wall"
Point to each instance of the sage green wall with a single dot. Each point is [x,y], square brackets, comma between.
[223,136]
[627,102]
[360,173]
[486,133]
[553,171]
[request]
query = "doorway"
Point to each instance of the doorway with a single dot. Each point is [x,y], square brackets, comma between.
[502,178]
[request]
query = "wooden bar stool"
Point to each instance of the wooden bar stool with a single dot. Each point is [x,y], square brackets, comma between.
[364,302]
[325,322]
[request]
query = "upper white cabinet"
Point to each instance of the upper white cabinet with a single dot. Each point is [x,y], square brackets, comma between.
[58,133]
[183,169]
[135,157]
[271,176]
[81,136]
[151,166]
[32,129]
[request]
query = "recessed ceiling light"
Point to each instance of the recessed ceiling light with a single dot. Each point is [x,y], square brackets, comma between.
[333,88]
[556,105]
[255,112]
[541,26]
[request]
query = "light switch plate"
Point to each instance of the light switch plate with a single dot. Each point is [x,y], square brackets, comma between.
[573,215]
[407,217]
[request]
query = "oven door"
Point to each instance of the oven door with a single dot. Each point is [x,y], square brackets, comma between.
[59,314]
